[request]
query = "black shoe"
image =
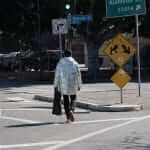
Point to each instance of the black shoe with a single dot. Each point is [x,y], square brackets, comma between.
[71,117]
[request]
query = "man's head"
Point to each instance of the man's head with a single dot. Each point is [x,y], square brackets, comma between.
[67,53]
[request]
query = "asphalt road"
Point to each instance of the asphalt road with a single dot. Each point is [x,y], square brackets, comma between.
[26,124]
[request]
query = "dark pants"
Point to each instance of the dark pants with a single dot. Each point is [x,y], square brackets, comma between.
[69,103]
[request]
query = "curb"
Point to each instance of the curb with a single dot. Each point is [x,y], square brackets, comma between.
[109,108]
[43,98]
[96,107]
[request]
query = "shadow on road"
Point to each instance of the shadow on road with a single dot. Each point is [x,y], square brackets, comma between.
[34,124]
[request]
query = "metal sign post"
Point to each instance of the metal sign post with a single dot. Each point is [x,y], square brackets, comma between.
[60,44]
[122,8]
[59,27]
[121,95]
[121,78]
[138,55]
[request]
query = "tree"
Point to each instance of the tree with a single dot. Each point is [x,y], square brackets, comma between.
[19,19]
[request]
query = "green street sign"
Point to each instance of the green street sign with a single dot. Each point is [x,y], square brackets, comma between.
[119,8]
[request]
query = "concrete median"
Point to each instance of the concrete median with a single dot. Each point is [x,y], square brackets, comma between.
[96,107]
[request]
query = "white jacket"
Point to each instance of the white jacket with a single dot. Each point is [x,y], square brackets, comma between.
[67,76]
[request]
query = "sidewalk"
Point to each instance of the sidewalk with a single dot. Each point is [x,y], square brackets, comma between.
[106,96]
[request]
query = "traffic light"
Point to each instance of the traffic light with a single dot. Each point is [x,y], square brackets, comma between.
[68,7]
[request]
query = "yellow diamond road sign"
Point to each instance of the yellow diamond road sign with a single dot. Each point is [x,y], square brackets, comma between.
[121,78]
[119,50]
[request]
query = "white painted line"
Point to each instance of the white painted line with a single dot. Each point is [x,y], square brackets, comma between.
[26,103]
[77,122]
[18,119]
[25,109]
[36,109]
[15,98]
[106,120]
[30,144]
[19,99]
[81,138]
